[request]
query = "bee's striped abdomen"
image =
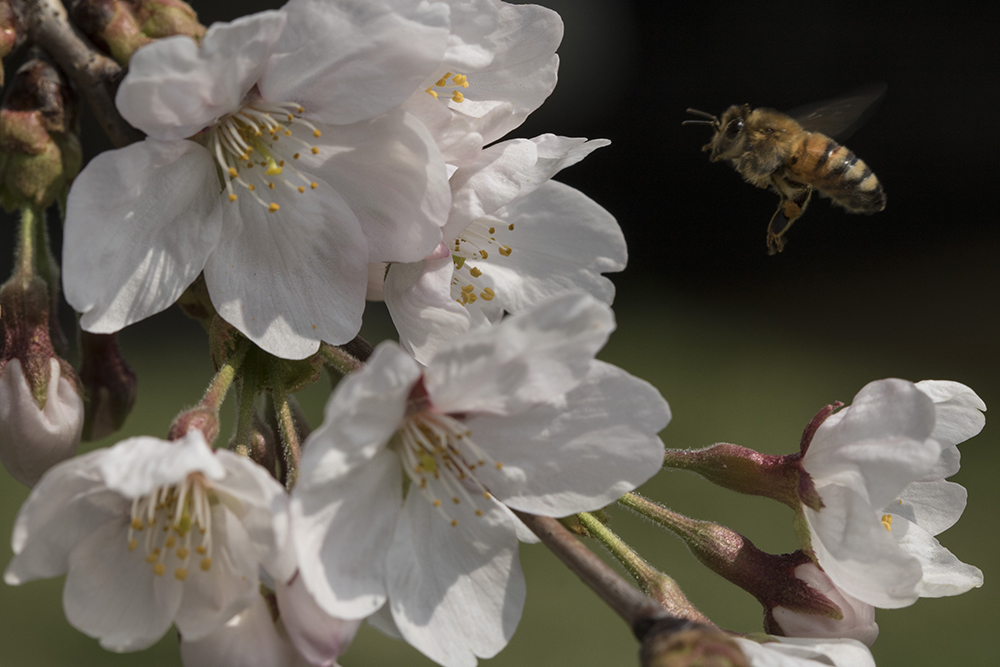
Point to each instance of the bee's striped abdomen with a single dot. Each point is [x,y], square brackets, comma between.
[836,172]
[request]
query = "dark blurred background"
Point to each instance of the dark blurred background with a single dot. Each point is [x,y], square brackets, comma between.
[746,347]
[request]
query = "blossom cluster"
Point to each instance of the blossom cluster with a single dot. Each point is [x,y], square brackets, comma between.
[297,163]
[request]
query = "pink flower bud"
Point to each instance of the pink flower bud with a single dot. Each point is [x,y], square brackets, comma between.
[34,437]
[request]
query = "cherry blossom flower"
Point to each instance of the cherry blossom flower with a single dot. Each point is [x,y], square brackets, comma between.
[520,416]
[858,620]
[797,652]
[516,238]
[151,533]
[278,162]
[879,467]
[34,439]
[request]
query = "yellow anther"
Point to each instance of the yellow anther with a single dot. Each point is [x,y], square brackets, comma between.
[468,289]
[201,549]
[171,541]
[487,294]
[288,133]
[455,500]
[183,552]
[475,272]
[484,254]
[295,157]
[314,185]
[301,189]
[443,81]
[181,574]
[132,544]
[493,230]
[315,151]
[159,569]
[461,80]
[486,494]
[206,564]
[317,134]
[499,465]
[137,524]
[887,522]
[301,109]
[273,208]
[152,558]
[457,97]
[479,512]
[270,185]
[454,522]
[437,503]
[290,118]
[233,172]
[432,93]
[251,187]
[505,250]
[281,163]
[511,226]
[232,197]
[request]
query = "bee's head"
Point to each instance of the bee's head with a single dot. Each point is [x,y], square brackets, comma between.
[729,134]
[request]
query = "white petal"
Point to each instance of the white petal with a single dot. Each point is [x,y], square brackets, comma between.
[858,554]
[318,637]
[391,173]
[342,532]
[453,133]
[943,573]
[262,507]
[418,297]
[520,76]
[456,591]
[249,639]
[509,170]
[140,223]
[32,440]
[229,586]
[289,279]
[363,412]
[561,240]
[934,506]
[579,454]
[112,594]
[799,652]
[136,466]
[858,620]
[68,504]
[530,358]
[959,411]
[348,61]
[471,44]
[174,88]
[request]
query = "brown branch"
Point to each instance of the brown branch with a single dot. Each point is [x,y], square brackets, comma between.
[639,611]
[96,76]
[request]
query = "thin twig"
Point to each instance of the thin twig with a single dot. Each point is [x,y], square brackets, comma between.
[96,76]
[639,611]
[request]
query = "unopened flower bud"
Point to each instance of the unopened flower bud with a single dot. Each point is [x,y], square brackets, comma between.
[41,412]
[109,382]
[40,152]
[198,418]
[677,643]
[120,27]
[12,28]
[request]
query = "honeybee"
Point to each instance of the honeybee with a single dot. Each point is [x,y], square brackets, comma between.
[792,155]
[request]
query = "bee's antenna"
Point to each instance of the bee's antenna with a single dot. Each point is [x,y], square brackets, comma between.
[712,120]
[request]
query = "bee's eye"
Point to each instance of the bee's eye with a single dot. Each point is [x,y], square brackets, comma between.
[735,127]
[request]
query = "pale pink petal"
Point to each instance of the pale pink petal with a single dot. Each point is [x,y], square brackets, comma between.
[858,620]
[248,639]
[140,224]
[318,637]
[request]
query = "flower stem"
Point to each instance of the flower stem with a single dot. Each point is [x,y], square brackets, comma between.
[346,358]
[223,380]
[289,438]
[27,246]
[640,612]
[247,396]
[653,583]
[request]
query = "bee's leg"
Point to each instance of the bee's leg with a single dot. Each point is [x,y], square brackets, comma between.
[793,203]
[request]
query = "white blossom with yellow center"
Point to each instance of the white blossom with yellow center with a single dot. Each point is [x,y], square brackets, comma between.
[278,163]
[879,467]
[151,533]
[404,492]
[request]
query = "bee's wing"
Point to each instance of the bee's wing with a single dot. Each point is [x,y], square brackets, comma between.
[839,117]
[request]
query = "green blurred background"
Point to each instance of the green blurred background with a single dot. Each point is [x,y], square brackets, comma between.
[745,347]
